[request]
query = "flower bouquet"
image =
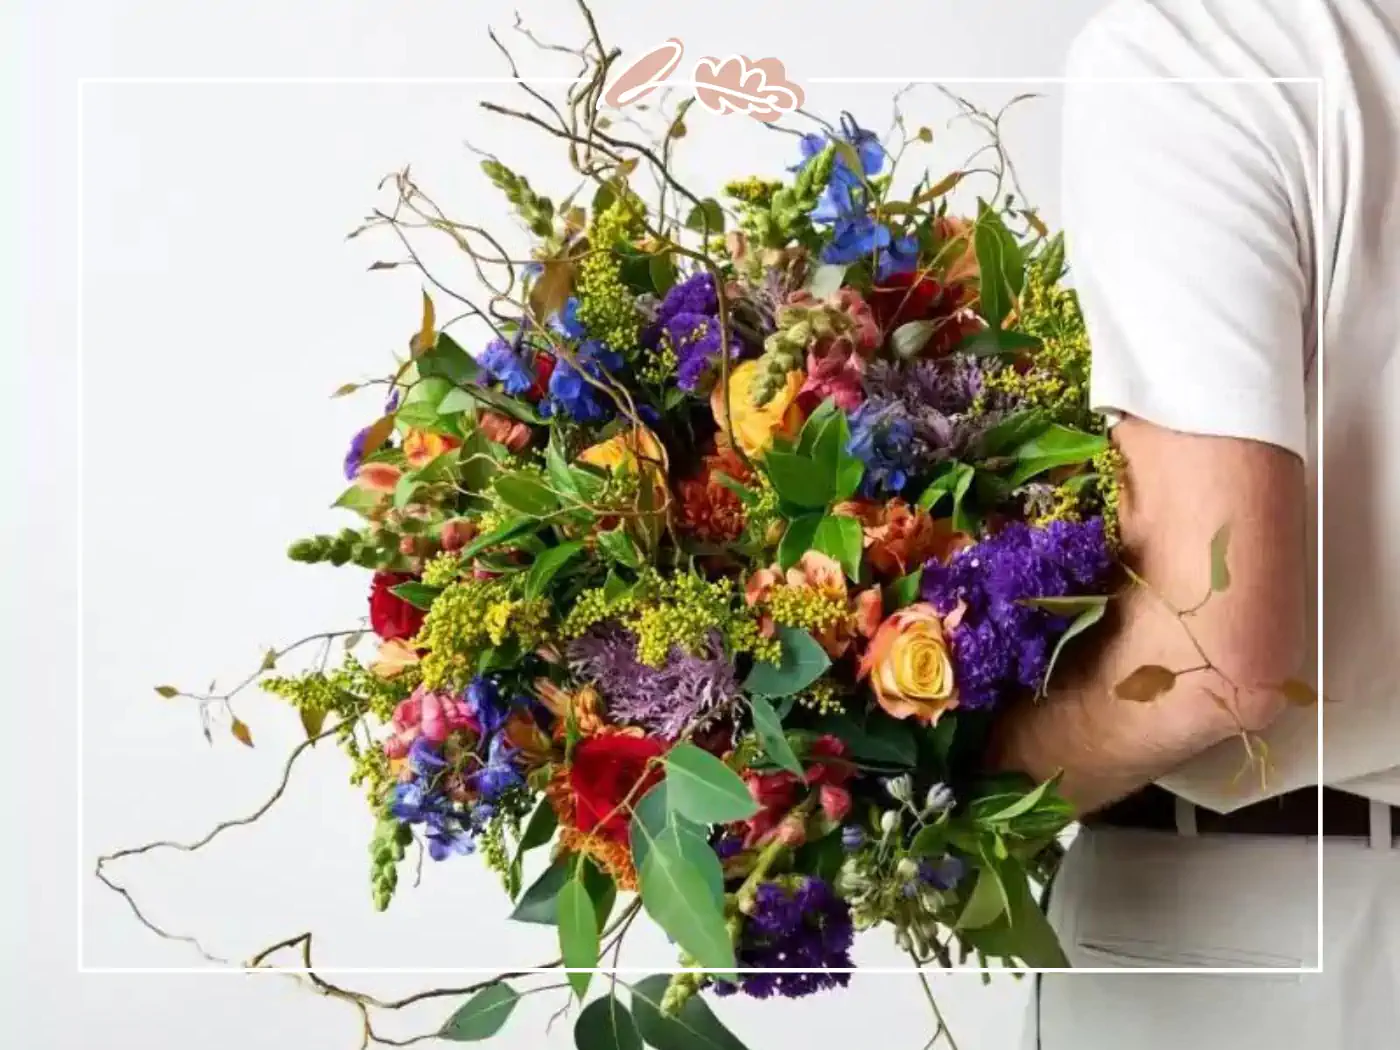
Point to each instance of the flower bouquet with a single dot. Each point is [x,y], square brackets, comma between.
[705,559]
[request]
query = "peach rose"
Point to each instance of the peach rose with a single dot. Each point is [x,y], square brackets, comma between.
[755,426]
[909,665]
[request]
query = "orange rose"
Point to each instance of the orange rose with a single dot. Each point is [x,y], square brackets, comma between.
[909,665]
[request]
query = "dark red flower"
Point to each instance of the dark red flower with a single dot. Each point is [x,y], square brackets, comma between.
[904,297]
[608,769]
[389,615]
[544,368]
[827,771]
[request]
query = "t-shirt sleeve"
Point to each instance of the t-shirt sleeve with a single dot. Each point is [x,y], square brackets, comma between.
[1182,245]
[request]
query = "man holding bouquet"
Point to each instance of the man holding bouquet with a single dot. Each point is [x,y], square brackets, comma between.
[1223,228]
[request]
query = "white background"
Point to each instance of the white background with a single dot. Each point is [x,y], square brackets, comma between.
[221,304]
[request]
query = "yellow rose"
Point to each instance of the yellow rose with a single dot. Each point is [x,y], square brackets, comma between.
[635,450]
[754,426]
[910,668]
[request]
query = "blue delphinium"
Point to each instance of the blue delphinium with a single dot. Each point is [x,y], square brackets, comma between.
[569,391]
[421,800]
[803,929]
[355,455]
[844,204]
[488,707]
[1000,645]
[499,774]
[883,438]
[505,364]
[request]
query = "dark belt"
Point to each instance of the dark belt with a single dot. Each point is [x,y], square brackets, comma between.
[1295,813]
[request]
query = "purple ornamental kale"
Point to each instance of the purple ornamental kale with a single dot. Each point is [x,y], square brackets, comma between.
[688,320]
[936,397]
[805,931]
[663,699]
[1001,646]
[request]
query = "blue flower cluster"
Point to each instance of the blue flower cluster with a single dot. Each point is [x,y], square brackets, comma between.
[882,437]
[505,364]
[805,931]
[845,206]
[1001,645]
[453,819]
[569,391]
[688,320]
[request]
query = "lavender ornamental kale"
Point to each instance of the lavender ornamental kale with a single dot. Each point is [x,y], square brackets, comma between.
[1002,646]
[804,929]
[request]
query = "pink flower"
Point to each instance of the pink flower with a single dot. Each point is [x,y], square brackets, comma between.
[430,715]
[835,362]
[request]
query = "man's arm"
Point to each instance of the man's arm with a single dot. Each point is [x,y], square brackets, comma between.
[1179,489]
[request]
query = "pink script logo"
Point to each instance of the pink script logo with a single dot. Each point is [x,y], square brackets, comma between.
[736,84]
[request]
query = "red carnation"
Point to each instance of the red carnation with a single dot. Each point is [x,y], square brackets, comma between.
[606,771]
[389,615]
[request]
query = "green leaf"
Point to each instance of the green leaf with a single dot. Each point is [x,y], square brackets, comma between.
[526,494]
[1070,605]
[986,902]
[994,342]
[1000,265]
[1219,566]
[480,460]
[706,214]
[1023,932]
[539,903]
[829,448]
[841,537]
[904,591]
[931,841]
[483,1016]
[605,1024]
[770,730]
[909,338]
[618,545]
[548,565]
[827,279]
[1015,429]
[1091,615]
[954,481]
[693,1027]
[803,661]
[1055,446]
[882,740]
[457,401]
[678,880]
[578,930]
[360,500]
[538,831]
[650,816]
[1025,803]
[799,480]
[447,359]
[702,788]
[662,270]
[511,530]
[798,539]
[404,490]
[167,691]
[418,595]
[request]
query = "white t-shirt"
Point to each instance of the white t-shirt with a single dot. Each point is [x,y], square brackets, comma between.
[1209,224]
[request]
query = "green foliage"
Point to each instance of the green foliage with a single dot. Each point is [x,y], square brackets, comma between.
[578,929]
[703,789]
[689,1026]
[802,661]
[770,730]
[483,1015]
[605,1024]
[535,209]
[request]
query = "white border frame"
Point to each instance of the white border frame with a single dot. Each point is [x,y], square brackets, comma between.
[84,869]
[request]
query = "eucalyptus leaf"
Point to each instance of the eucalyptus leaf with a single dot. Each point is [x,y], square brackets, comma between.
[483,1016]
[1091,615]
[1219,563]
[540,902]
[693,1027]
[702,788]
[578,931]
[770,731]
[605,1024]
[802,662]
[678,880]
[986,902]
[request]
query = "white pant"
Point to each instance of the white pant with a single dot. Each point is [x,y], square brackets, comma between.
[1129,899]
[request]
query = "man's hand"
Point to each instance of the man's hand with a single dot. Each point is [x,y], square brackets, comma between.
[1179,489]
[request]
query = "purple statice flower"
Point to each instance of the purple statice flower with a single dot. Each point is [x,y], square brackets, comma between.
[882,437]
[355,455]
[663,699]
[727,846]
[1001,646]
[504,363]
[688,321]
[804,931]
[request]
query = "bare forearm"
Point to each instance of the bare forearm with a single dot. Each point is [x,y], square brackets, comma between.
[1106,746]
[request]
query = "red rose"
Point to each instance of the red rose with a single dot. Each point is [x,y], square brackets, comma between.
[606,771]
[389,615]
[544,368]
